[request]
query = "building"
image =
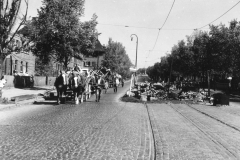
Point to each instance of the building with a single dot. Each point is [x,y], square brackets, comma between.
[57,67]
[94,61]
[20,58]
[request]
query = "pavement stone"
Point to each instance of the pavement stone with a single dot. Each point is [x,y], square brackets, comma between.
[109,129]
[181,132]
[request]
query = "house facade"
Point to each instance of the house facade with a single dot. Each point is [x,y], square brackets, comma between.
[20,59]
[94,61]
[91,62]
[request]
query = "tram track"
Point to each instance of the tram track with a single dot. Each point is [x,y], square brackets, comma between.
[215,118]
[209,136]
[163,153]
[153,137]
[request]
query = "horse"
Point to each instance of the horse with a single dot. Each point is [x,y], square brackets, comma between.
[106,75]
[77,87]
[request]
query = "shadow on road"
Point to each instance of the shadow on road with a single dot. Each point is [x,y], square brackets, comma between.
[46,103]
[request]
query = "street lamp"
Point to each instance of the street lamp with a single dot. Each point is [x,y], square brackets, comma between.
[136,48]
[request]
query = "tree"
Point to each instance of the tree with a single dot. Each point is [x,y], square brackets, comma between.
[59,35]
[11,21]
[43,69]
[141,71]
[216,52]
[116,58]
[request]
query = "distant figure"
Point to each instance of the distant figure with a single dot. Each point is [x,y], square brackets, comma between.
[2,84]
[122,82]
[31,81]
[59,84]
[99,86]
[77,68]
[115,83]
[106,85]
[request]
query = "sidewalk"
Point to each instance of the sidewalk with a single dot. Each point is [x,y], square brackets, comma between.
[20,96]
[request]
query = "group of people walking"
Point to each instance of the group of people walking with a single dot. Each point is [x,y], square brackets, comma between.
[79,83]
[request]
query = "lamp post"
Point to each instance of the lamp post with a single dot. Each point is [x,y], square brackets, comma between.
[136,47]
[136,55]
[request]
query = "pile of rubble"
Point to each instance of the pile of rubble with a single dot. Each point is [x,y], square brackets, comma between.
[161,91]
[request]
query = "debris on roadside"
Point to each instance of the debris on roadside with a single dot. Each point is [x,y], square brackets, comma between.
[147,91]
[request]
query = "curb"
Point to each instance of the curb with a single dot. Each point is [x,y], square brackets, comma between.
[20,103]
[29,101]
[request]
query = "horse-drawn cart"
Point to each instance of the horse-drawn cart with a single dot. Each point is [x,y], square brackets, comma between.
[79,86]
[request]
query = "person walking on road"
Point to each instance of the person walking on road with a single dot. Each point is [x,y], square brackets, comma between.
[122,82]
[99,85]
[115,83]
[60,84]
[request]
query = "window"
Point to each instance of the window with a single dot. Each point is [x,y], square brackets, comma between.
[26,66]
[88,63]
[21,67]
[15,66]
[94,64]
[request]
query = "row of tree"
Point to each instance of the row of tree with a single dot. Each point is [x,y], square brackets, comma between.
[216,53]
[57,34]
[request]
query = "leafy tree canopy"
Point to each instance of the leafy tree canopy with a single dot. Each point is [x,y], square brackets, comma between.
[217,51]
[116,58]
[58,33]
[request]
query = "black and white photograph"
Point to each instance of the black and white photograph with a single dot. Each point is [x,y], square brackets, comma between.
[119,80]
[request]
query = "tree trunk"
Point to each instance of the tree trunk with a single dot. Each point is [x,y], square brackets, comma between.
[1,62]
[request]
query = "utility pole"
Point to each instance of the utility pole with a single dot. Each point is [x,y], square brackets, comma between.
[170,77]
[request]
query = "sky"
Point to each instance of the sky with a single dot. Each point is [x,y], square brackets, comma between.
[144,18]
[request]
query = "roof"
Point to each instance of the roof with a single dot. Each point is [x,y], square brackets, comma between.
[98,47]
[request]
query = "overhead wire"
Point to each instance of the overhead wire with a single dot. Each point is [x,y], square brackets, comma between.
[119,25]
[128,26]
[161,28]
[204,25]
[163,24]
[221,15]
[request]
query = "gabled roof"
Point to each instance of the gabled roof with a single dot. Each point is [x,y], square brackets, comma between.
[98,47]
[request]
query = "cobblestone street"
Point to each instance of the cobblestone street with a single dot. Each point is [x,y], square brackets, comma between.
[119,80]
[109,129]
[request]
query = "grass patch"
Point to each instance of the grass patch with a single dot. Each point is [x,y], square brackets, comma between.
[132,99]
